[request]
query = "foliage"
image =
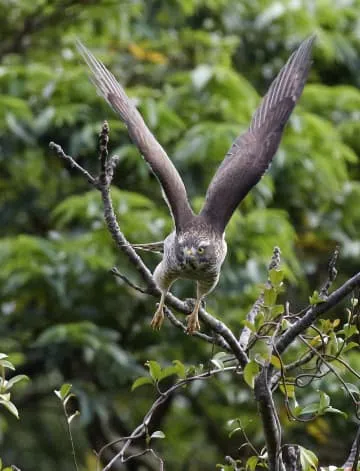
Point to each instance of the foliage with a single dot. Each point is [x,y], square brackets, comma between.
[7,385]
[196,70]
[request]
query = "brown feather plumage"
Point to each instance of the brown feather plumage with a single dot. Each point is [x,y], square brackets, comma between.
[197,249]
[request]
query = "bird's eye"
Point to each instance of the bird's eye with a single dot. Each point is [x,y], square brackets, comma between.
[201,250]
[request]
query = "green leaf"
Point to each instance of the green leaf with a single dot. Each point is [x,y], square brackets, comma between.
[230,423]
[249,325]
[10,407]
[309,461]
[348,330]
[259,320]
[277,310]
[289,389]
[16,379]
[154,369]
[274,360]
[180,368]
[64,390]
[158,434]
[309,409]
[221,355]
[350,346]
[332,346]
[353,388]
[270,296]
[252,462]
[218,363]
[7,364]
[218,360]
[168,371]
[333,410]
[324,401]
[250,372]
[285,324]
[276,277]
[315,298]
[141,381]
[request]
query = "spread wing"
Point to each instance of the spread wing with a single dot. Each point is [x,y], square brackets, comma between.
[252,152]
[172,185]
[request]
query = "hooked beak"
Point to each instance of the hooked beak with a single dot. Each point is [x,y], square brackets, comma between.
[189,253]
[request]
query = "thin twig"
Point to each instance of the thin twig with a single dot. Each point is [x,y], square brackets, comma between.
[332,273]
[140,430]
[73,164]
[333,370]
[217,340]
[316,311]
[68,422]
[114,271]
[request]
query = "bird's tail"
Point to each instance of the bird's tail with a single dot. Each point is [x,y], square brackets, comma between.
[156,247]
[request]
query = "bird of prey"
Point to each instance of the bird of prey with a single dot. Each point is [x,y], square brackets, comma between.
[196,248]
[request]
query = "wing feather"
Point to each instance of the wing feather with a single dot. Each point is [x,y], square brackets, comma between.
[252,152]
[172,185]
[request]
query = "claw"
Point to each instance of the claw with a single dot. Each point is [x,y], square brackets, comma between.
[158,319]
[193,323]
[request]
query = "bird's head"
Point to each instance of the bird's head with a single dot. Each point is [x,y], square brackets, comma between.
[195,253]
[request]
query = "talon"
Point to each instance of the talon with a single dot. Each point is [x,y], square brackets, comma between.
[193,323]
[158,319]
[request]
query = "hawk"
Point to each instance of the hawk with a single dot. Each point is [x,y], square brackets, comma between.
[196,248]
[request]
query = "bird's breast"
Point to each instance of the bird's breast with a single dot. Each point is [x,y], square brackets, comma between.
[200,273]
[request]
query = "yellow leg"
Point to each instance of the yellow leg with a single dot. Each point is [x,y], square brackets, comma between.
[193,323]
[158,318]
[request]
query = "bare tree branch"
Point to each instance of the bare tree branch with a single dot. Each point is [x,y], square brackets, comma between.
[216,339]
[102,183]
[270,420]
[352,460]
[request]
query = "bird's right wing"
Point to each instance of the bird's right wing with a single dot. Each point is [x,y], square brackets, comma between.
[172,185]
[252,152]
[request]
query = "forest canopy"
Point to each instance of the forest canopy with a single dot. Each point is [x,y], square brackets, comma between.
[196,70]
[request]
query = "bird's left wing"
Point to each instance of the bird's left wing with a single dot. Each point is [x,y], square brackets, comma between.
[252,152]
[172,185]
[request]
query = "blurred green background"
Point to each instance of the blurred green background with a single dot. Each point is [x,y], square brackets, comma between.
[196,69]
